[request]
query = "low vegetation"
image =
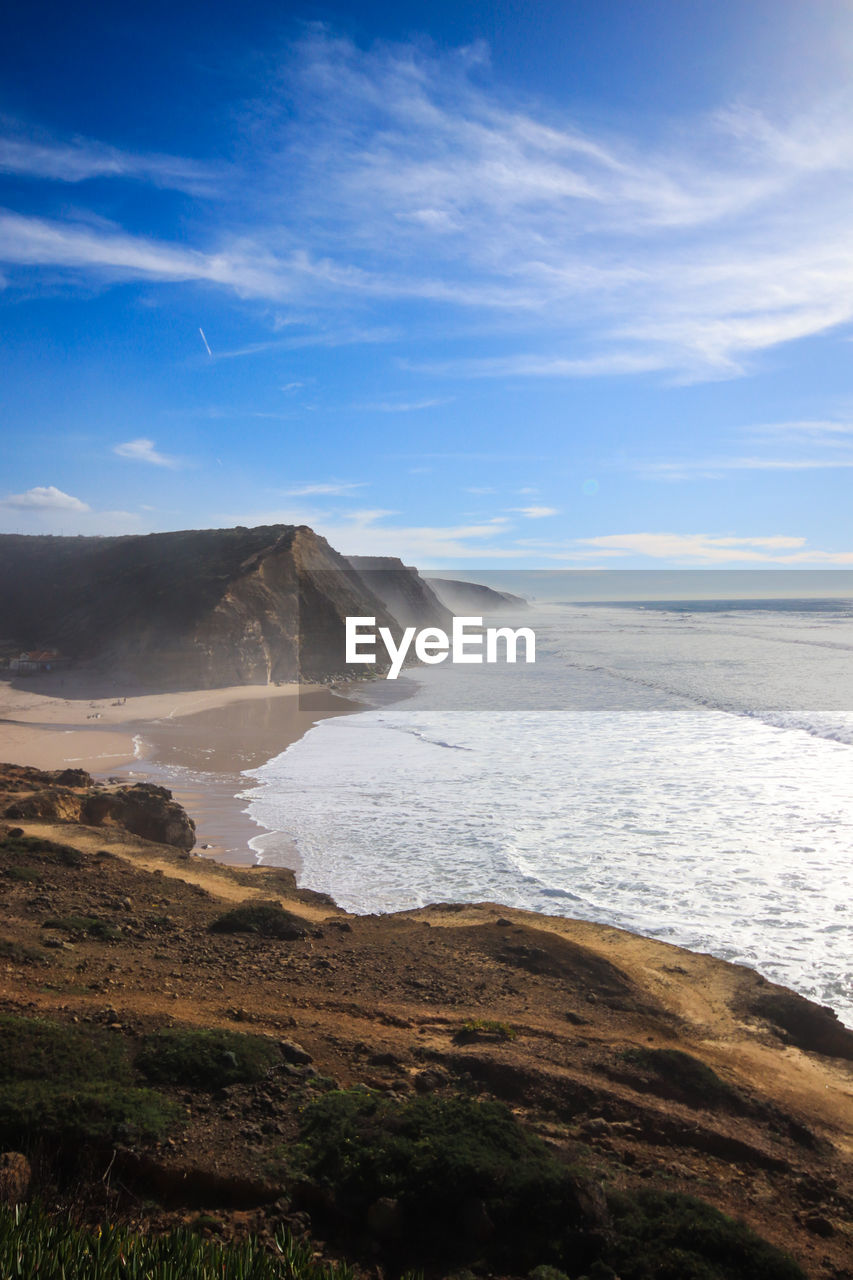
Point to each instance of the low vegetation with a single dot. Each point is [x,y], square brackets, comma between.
[447,1178]
[71,1087]
[455,1180]
[205,1059]
[20,953]
[23,875]
[265,919]
[668,1236]
[16,847]
[484,1029]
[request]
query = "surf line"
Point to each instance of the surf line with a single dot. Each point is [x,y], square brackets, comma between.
[464,644]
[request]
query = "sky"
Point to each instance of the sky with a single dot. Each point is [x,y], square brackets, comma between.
[558,285]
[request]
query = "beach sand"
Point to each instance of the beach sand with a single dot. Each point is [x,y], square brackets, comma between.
[208,735]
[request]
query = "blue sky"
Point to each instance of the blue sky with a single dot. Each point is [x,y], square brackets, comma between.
[557,285]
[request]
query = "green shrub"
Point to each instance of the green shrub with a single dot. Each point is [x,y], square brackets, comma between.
[266,919]
[63,1054]
[33,1244]
[669,1236]
[469,1166]
[71,1086]
[34,1111]
[207,1059]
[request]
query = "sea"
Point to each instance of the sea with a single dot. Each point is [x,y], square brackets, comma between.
[679,768]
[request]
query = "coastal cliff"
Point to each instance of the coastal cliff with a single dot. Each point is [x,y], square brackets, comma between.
[457,1087]
[405,594]
[473,598]
[198,609]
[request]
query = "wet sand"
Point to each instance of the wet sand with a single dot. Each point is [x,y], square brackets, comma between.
[202,757]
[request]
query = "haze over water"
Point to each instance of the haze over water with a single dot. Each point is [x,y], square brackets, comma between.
[682,772]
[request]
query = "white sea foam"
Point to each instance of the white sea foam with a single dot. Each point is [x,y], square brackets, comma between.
[684,776]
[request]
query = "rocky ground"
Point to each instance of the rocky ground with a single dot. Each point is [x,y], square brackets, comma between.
[573,1025]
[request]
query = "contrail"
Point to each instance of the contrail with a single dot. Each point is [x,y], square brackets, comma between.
[205,341]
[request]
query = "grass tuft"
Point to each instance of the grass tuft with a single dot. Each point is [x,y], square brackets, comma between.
[33,1244]
[484,1029]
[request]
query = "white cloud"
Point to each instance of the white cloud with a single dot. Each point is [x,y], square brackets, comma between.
[536,513]
[143,450]
[44,498]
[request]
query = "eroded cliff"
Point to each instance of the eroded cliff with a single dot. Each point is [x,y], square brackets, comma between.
[199,608]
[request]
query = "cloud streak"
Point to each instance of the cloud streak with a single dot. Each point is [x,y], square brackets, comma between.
[83,159]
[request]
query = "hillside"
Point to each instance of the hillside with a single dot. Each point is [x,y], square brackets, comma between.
[197,609]
[457,1087]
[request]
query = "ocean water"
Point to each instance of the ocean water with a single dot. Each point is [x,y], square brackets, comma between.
[683,772]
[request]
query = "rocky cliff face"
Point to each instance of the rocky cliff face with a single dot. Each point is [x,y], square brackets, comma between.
[201,608]
[403,591]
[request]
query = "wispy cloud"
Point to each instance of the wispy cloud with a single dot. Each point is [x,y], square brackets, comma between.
[329,488]
[601,253]
[143,450]
[410,406]
[84,158]
[714,468]
[44,498]
[809,431]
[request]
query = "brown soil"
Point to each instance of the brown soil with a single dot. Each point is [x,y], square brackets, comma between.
[381,1001]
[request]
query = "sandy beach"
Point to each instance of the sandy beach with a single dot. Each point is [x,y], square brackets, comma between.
[208,735]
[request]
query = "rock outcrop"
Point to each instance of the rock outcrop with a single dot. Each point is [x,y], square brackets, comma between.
[142,809]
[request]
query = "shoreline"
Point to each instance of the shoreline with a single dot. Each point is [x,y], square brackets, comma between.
[114,731]
[210,736]
[203,756]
